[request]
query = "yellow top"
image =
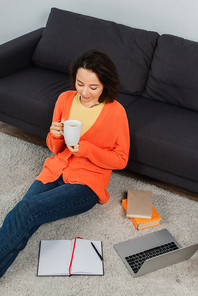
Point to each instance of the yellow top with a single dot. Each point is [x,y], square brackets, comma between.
[87,116]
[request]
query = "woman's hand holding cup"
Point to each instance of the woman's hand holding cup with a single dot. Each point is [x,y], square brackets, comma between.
[71,132]
[56,128]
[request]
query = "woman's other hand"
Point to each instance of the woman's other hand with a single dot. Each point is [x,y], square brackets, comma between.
[74,149]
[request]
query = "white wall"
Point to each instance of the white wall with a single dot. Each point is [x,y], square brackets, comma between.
[177,17]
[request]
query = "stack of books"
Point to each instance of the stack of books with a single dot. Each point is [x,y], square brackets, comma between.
[139,209]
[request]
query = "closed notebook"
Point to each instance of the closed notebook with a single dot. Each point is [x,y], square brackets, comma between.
[140,223]
[139,204]
[70,257]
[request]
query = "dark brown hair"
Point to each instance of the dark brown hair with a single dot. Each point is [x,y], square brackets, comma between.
[102,65]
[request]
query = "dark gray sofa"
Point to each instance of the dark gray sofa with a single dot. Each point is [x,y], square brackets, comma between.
[159,88]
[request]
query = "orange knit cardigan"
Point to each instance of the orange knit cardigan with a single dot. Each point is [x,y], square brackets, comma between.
[104,147]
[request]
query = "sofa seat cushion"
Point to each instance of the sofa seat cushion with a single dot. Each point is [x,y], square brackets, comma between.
[164,137]
[30,94]
[174,72]
[67,35]
[126,100]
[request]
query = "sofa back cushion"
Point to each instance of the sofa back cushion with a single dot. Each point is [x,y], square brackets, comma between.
[67,35]
[174,72]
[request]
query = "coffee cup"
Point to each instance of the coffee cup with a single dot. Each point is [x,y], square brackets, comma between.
[71,131]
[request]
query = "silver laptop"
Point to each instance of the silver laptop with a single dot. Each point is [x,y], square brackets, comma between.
[152,251]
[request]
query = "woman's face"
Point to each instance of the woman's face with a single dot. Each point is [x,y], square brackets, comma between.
[88,86]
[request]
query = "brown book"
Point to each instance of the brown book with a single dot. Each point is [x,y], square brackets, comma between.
[140,223]
[139,204]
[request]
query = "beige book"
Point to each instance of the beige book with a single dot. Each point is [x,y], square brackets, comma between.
[139,204]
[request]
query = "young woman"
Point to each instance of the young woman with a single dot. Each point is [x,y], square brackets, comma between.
[75,178]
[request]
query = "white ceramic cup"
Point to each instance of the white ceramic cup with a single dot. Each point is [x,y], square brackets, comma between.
[71,131]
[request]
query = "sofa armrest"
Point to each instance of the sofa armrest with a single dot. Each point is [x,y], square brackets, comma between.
[16,54]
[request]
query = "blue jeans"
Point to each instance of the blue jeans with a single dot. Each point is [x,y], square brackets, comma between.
[42,203]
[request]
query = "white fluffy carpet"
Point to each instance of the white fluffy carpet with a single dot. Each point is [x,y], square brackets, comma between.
[20,163]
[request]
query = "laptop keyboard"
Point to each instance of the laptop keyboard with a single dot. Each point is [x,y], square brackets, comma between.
[135,261]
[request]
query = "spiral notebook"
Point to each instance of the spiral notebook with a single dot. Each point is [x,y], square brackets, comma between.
[70,257]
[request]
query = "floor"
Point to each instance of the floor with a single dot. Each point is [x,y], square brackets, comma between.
[13,131]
